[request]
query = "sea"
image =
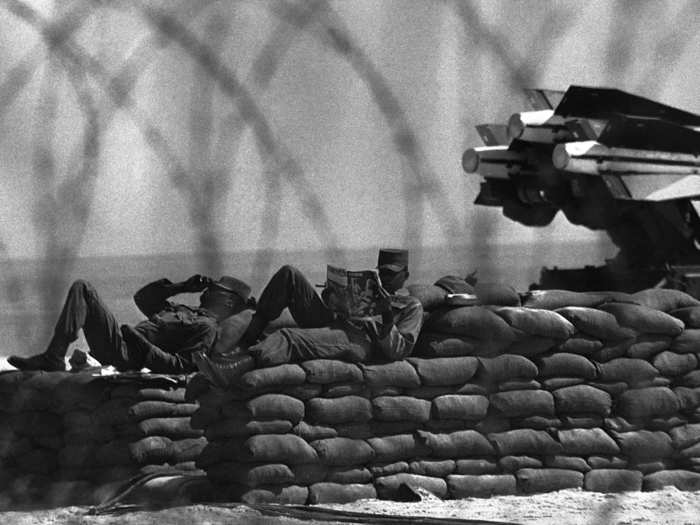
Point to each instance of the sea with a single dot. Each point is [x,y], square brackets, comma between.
[28,310]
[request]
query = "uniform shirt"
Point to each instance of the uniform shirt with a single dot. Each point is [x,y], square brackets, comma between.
[174,328]
[396,339]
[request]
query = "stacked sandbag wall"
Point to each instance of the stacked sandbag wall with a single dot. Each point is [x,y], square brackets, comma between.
[74,438]
[599,392]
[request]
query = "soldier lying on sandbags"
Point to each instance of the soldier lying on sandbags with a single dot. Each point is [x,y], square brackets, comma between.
[321,333]
[164,343]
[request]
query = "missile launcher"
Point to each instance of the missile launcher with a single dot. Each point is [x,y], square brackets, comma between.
[608,160]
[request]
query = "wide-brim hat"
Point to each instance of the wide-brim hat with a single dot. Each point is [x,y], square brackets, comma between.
[392,259]
[233,285]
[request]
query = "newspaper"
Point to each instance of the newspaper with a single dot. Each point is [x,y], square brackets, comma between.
[352,294]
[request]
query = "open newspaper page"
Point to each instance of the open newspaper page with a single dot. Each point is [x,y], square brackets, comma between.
[352,294]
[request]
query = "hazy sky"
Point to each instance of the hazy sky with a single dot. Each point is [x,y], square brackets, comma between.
[332,171]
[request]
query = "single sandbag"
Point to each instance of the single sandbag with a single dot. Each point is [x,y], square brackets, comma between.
[354,430]
[567,462]
[612,350]
[664,299]
[681,479]
[496,294]
[688,398]
[472,321]
[645,346]
[476,467]
[270,494]
[531,345]
[276,406]
[399,447]
[524,441]
[460,407]
[596,323]
[326,371]
[442,371]
[647,403]
[305,391]
[229,428]
[688,342]
[341,451]
[554,383]
[344,389]
[531,481]
[252,475]
[401,408]
[519,385]
[587,442]
[274,448]
[453,445]
[387,469]
[553,299]
[388,486]
[329,492]
[644,444]
[613,480]
[533,321]
[152,449]
[581,344]
[535,423]
[643,319]
[673,364]
[582,421]
[685,436]
[628,370]
[273,377]
[523,403]
[506,367]
[434,344]
[566,365]
[398,373]
[429,295]
[431,392]
[582,399]
[481,486]
[172,427]
[690,315]
[690,380]
[148,409]
[347,475]
[512,464]
[433,468]
[333,411]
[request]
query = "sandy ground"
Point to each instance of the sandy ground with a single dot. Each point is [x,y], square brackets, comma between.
[568,507]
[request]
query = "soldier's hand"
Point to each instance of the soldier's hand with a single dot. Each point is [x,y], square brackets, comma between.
[383,303]
[196,283]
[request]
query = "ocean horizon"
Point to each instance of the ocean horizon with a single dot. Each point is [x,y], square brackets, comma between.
[27,313]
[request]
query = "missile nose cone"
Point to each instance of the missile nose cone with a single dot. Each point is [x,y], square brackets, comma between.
[516,126]
[470,161]
[560,157]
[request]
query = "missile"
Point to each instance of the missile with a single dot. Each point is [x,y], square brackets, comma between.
[496,162]
[592,158]
[538,126]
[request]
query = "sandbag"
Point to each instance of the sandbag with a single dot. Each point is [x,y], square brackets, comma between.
[647,403]
[434,344]
[278,448]
[388,486]
[313,432]
[354,430]
[276,406]
[187,450]
[460,407]
[337,410]
[347,475]
[344,389]
[442,371]
[614,389]
[643,319]
[431,392]
[582,399]
[476,467]
[512,464]
[429,295]
[673,364]
[387,469]
[687,342]
[447,425]
[567,462]
[152,449]
[273,377]
[645,346]
[665,423]
[472,321]
[397,373]
[326,371]
[252,475]
[524,441]
[688,398]
[685,436]
[612,350]
[644,444]
[582,421]
[690,315]
[587,442]
[228,428]
[453,445]
[596,323]
[341,451]
[532,321]
[613,480]
[536,423]
[172,427]
[531,481]
[692,451]
[277,494]
[531,345]
[630,371]
[605,462]
[664,299]
[523,403]
[566,365]
[496,294]
[433,468]
[390,449]
[620,424]
[506,367]
[681,479]
[690,380]
[391,428]
[555,383]
[401,408]
[581,344]
[649,467]
[304,391]
[553,299]
[309,473]
[519,385]
[327,492]
[481,486]
[149,409]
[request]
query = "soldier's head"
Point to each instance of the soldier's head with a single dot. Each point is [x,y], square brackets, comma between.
[226,297]
[393,268]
